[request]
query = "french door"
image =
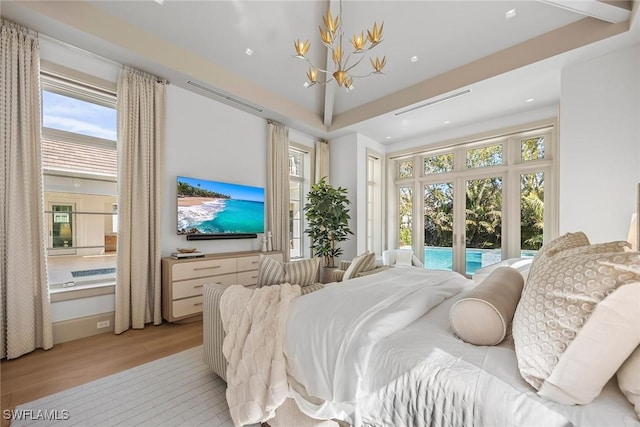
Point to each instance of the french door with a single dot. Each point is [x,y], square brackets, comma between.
[462,222]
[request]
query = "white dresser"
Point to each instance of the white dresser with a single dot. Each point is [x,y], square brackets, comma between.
[183,279]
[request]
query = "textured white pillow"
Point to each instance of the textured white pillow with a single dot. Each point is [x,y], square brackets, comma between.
[606,340]
[561,294]
[484,315]
[404,258]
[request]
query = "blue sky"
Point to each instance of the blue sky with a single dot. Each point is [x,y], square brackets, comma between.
[235,191]
[73,115]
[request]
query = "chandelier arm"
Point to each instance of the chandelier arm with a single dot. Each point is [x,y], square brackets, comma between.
[316,68]
[366,75]
[359,60]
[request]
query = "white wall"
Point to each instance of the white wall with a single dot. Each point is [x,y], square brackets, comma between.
[364,143]
[600,145]
[209,140]
[346,152]
[343,154]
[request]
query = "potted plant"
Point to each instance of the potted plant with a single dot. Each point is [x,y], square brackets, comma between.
[328,221]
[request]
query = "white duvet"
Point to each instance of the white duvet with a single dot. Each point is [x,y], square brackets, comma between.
[415,372]
[331,333]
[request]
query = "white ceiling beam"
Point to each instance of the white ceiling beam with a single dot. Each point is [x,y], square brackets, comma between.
[330,88]
[608,11]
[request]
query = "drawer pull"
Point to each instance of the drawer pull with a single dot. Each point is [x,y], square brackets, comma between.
[218,283]
[207,268]
[198,286]
[254,277]
[254,262]
[195,304]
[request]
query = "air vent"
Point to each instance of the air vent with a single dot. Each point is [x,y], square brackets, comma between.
[426,104]
[223,96]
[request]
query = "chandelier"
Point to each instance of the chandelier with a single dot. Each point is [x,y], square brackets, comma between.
[331,35]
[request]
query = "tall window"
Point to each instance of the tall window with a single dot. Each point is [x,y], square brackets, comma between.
[299,185]
[482,201]
[79,160]
[375,230]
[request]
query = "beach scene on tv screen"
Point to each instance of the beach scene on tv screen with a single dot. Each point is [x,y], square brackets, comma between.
[211,207]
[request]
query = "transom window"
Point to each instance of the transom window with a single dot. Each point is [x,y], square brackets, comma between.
[438,164]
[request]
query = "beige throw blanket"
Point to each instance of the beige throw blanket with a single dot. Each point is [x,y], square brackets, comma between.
[254,323]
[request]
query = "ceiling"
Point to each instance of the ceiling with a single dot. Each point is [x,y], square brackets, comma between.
[459,45]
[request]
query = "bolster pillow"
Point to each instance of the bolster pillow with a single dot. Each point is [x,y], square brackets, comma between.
[484,315]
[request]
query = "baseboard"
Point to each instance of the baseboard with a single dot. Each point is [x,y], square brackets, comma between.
[83,327]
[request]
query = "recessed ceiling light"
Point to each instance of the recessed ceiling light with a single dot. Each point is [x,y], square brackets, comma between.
[249,52]
[447,122]
[510,14]
[159,2]
[530,100]
[414,59]
[388,137]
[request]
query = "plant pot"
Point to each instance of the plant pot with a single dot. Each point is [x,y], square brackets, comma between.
[326,274]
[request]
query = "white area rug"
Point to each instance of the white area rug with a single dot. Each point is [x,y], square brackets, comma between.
[178,390]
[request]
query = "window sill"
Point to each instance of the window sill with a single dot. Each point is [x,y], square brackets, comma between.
[59,292]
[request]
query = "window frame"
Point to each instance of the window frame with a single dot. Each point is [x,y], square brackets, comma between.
[305,182]
[510,170]
[374,208]
[77,85]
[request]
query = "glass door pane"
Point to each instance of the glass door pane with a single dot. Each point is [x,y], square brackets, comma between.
[438,226]
[483,223]
[531,213]
[405,233]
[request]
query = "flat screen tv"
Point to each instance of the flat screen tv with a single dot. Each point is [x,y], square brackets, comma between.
[218,209]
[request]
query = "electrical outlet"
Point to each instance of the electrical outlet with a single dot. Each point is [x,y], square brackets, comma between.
[103,324]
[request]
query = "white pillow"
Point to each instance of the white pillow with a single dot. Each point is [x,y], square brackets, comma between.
[521,264]
[563,349]
[605,341]
[404,258]
[629,379]
[389,257]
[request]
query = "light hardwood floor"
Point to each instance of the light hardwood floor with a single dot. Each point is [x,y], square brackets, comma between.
[72,363]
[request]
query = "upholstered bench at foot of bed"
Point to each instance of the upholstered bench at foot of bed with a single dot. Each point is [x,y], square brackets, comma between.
[212,330]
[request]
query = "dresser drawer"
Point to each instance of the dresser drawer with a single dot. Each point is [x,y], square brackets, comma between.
[193,287]
[190,270]
[247,263]
[248,278]
[188,306]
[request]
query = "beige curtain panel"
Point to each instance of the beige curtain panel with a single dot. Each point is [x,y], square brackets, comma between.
[278,186]
[322,161]
[25,311]
[141,121]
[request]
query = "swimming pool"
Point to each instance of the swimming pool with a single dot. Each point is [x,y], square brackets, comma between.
[442,258]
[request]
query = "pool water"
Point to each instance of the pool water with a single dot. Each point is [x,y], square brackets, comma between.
[439,258]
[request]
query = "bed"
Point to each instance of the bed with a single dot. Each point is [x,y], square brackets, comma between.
[398,362]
